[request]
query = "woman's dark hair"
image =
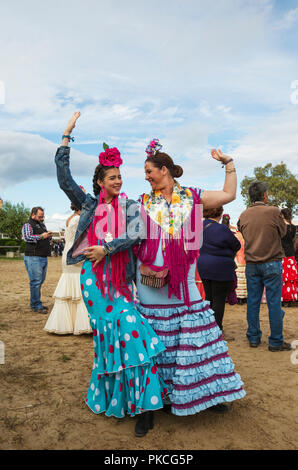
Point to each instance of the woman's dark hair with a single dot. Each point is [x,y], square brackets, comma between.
[74,208]
[99,174]
[287,213]
[226,220]
[257,191]
[161,159]
[212,213]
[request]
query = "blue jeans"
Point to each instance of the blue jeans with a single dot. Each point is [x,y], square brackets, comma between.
[258,276]
[36,268]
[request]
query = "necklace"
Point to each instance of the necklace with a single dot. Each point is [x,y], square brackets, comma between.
[109,236]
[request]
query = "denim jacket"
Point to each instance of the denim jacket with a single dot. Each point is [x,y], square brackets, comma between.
[87,205]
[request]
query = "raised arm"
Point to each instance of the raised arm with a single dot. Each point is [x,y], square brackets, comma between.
[65,180]
[70,127]
[214,199]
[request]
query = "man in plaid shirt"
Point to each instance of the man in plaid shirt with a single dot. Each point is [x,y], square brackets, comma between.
[37,250]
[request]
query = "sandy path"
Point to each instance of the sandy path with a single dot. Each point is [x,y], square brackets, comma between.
[45,378]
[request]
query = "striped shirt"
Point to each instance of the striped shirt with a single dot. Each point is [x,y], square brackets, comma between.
[27,234]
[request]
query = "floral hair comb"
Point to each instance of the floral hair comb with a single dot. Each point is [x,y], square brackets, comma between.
[110,156]
[153,147]
[82,188]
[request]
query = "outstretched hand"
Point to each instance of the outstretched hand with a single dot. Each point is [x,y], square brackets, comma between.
[218,155]
[72,122]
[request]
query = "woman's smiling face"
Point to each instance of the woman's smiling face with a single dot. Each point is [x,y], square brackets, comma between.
[156,177]
[111,183]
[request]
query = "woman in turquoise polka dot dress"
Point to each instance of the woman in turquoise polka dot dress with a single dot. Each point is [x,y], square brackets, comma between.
[124,379]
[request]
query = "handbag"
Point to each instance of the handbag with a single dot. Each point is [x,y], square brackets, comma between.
[157,277]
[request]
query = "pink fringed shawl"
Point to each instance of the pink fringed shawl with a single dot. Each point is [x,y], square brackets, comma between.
[179,251]
[115,273]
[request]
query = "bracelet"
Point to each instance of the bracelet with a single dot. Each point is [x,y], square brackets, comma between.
[105,250]
[68,137]
[231,170]
[225,163]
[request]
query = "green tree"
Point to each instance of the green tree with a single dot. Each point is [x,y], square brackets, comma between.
[12,218]
[282,185]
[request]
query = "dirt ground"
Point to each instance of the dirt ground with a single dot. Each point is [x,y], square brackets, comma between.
[45,378]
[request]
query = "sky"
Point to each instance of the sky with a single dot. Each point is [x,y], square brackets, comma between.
[192,73]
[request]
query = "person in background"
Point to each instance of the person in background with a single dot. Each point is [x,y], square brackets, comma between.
[241,291]
[262,227]
[232,296]
[37,250]
[56,249]
[296,249]
[61,247]
[226,220]
[289,264]
[216,264]
[69,314]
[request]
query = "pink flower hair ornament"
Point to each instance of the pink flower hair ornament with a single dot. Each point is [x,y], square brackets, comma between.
[82,188]
[153,147]
[110,156]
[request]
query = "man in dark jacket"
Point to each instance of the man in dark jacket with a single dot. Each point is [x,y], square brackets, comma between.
[262,227]
[37,250]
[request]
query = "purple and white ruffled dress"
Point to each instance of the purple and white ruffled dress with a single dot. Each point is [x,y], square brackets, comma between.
[196,365]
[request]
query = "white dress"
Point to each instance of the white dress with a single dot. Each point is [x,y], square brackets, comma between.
[69,314]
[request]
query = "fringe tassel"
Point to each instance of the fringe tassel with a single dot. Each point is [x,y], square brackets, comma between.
[115,279]
[177,257]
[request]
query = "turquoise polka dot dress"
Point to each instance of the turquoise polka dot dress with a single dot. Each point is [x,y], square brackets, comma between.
[124,378]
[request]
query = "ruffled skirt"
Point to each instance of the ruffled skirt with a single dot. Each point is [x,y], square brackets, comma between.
[241,289]
[289,279]
[124,378]
[69,314]
[195,366]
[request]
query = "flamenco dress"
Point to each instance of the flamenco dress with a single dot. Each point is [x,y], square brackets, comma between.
[289,279]
[289,267]
[124,378]
[196,365]
[69,314]
[241,290]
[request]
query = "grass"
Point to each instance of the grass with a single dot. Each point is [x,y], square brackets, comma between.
[64,358]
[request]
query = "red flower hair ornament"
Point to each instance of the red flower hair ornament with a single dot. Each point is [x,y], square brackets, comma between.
[110,156]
